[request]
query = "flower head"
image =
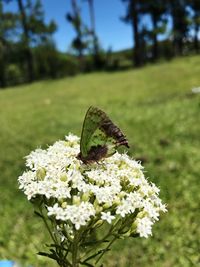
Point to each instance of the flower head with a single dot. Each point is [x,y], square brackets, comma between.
[77,194]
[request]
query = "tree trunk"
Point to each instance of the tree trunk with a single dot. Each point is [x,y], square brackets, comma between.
[179,45]
[93,30]
[92,18]
[155,38]
[136,37]
[2,74]
[178,24]
[3,81]
[78,32]
[28,53]
[196,41]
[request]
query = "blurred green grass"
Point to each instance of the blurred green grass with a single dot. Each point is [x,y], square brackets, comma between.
[155,108]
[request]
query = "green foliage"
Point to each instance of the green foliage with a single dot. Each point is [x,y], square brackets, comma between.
[26,39]
[34,29]
[161,119]
[13,74]
[79,43]
[51,64]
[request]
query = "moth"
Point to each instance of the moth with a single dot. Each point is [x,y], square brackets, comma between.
[100,137]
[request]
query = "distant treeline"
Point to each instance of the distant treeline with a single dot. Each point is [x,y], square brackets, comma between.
[162,29]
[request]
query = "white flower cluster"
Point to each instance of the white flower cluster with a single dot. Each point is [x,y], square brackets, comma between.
[106,191]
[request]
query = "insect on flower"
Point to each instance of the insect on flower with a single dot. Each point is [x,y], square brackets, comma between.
[100,137]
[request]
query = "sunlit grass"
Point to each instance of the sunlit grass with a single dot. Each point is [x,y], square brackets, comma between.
[161,119]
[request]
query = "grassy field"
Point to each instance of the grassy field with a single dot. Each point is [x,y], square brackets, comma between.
[161,118]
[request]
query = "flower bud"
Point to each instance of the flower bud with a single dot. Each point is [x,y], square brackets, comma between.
[117,201]
[106,205]
[63,177]
[141,214]
[133,228]
[76,200]
[64,205]
[122,194]
[40,173]
[85,197]
[98,223]
[97,207]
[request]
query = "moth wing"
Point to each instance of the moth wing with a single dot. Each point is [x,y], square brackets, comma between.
[91,123]
[99,138]
[98,131]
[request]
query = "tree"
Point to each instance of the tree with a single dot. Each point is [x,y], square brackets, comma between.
[97,60]
[180,24]
[74,18]
[195,5]
[26,40]
[34,30]
[156,9]
[7,27]
[132,16]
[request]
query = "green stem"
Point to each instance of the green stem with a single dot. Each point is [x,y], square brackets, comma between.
[67,263]
[47,226]
[106,249]
[75,251]
[111,242]
[109,233]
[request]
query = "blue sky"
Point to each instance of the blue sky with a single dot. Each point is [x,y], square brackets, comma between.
[111,30]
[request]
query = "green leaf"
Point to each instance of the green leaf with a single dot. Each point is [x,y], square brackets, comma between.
[38,214]
[87,264]
[51,256]
[89,243]
[96,254]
